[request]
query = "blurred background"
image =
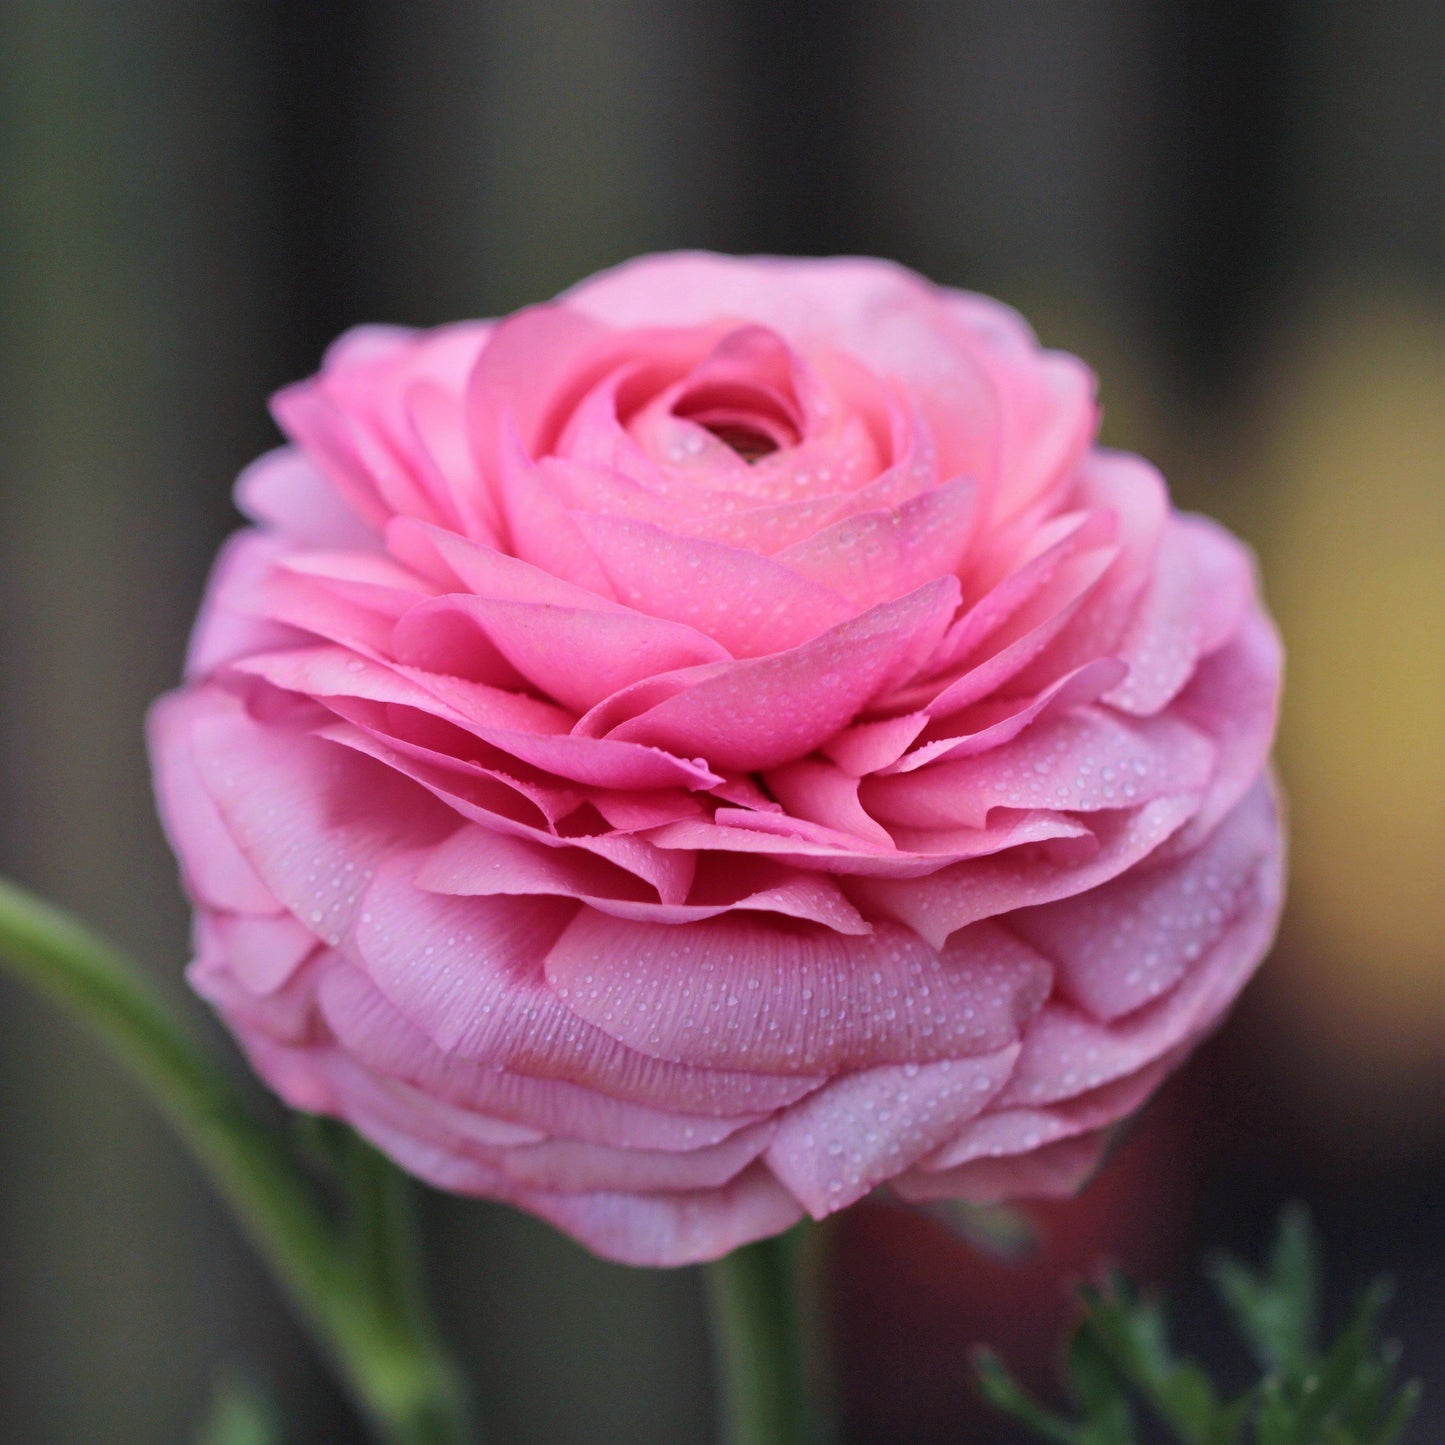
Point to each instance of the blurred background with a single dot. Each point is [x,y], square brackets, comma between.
[1235,211]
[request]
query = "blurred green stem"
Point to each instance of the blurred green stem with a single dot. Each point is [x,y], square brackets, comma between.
[357,1282]
[758,1342]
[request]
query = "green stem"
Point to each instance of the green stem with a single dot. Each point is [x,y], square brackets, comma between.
[356,1287]
[753,1299]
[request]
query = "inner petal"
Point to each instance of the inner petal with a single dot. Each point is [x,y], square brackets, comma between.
[741,395]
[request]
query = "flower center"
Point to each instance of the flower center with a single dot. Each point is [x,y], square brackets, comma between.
[748,442]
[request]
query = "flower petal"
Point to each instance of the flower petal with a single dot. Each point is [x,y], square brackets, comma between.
[864,1128]
[730,993]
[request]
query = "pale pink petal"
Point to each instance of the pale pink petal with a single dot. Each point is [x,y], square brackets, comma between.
[1134,493]
[731,993]
[510,721]
[1067,838]
[372,1030]
[1086,760]
[214,867]
[1067,1052]
[1007,652]
[221,635]
[285,491]
[864,1128]
[253,585]
[670,1230]
[1198,591]
[477,862]
[540,528]
[484,996]
[1121,945]
[866,747]
[1233,699]
[574,1167]
[878,313]
[1001,1132]
[311,818]
[1015,570]
[994,722]
[957,896]
[1052,1171]
[263,953]
[285,1014]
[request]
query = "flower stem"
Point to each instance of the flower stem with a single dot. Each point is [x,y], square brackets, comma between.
[757,1343]
[355,1283]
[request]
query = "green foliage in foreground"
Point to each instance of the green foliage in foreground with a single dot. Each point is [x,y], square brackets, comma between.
[1121,1371]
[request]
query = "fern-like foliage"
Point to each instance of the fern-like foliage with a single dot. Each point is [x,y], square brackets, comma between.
[1124,1377]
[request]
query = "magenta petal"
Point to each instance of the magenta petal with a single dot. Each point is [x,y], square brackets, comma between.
[876,556]
[864,1128]
[823,793]
[577,656]
[748,603]
[742,993]
[767,711]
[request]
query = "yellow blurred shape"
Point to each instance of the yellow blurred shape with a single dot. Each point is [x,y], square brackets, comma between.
[1355,570]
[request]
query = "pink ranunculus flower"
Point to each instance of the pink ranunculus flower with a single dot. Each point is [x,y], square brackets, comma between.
[689,754]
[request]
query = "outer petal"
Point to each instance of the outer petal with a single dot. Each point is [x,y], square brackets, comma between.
[731,993]
[215,868]
[864,1128]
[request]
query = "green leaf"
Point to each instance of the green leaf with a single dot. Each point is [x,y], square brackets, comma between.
[241,1413]
[1120,1353]
[990,1228]
[370,1320]
[1099,1393]
[1328,1390]
[1005,1394]
[1276,1310]
[1398,1416]
[1133,1335]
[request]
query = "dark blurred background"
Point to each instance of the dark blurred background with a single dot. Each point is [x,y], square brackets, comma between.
[1235,211]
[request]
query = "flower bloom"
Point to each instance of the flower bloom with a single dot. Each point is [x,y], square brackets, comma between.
[694,752]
